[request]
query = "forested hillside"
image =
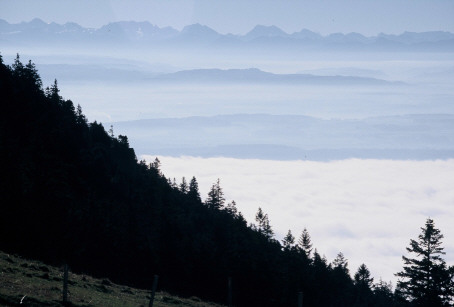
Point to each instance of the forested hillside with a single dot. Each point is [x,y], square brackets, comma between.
[72,192]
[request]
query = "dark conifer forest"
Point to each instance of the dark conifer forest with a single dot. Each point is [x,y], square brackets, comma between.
[72,192]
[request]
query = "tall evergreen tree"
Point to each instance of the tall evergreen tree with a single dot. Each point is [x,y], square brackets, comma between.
[341,282]
[264,226]
[288,241]
[81,120]
[184,188]
[17,67]
[425,279]
[32,77]
[383,294]
[362,277]
[231,209]
[364,284]
[193,192]
[53,93]
[305,243]
[215,198]
[340,262]
[173,183]
[155,167]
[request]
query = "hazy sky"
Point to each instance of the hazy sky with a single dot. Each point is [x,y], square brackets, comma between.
[240,16]
[367,209]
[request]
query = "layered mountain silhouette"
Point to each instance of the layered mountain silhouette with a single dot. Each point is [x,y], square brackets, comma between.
[129,74]
[254,75]
[145,33]
[293,137]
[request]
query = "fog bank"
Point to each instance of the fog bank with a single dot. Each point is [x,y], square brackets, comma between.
[368,209]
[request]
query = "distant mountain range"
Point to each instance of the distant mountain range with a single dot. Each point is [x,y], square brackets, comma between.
[254,75]
[146,34]
[282,137]
[127,74]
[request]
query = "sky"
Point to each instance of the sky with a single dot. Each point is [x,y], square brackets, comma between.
[239,16]
[366,209]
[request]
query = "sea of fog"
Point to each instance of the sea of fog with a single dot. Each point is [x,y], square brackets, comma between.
[367,209]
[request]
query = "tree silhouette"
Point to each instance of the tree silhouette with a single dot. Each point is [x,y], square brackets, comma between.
[81,120]
[31,76]
[215,198]
[383,294]
[362,277]
[288,241]
[231,209]
[193,192]
[184,188]
[264,226]
[305,243]
[17,67]
[425,279]
[364,284]
[340,262]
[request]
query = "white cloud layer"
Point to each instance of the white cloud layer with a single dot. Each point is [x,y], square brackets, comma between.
[368,209]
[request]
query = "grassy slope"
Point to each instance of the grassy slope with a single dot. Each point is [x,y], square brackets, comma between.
[37,284]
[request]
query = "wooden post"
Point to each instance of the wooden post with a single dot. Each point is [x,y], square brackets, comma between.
[300,299]
[153,289]
[65,284]
[229,294]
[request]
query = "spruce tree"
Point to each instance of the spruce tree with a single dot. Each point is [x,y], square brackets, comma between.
[341,263]
[305,243]
[362,277]
[53,93]
[288,241]
[155,166]
[383,294]
[215,198]
[184,188]
[18,67]
[364,284]
[342,286]
[425,279]
[81,120]
[231,209]
[264,226]
[32,77]
[193,192]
